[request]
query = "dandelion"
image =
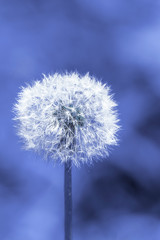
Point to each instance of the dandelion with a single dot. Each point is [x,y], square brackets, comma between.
[68,118]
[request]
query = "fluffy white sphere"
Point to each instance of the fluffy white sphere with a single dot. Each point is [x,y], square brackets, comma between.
[67,117]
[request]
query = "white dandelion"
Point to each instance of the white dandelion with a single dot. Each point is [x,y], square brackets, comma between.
[67,117]
[70,118]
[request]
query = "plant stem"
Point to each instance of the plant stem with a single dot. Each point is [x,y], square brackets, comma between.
[68,199]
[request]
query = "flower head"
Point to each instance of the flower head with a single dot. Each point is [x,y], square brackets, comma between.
[67,117]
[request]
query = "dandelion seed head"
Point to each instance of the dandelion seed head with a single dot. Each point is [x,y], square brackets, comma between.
[66,117]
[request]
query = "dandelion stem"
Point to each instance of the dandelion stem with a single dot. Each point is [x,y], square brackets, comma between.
[68,199]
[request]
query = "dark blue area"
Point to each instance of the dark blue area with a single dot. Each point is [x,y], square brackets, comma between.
[117,41]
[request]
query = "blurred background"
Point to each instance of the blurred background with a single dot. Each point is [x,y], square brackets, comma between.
[117,41]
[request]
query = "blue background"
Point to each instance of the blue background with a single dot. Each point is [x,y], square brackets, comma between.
[117,41]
